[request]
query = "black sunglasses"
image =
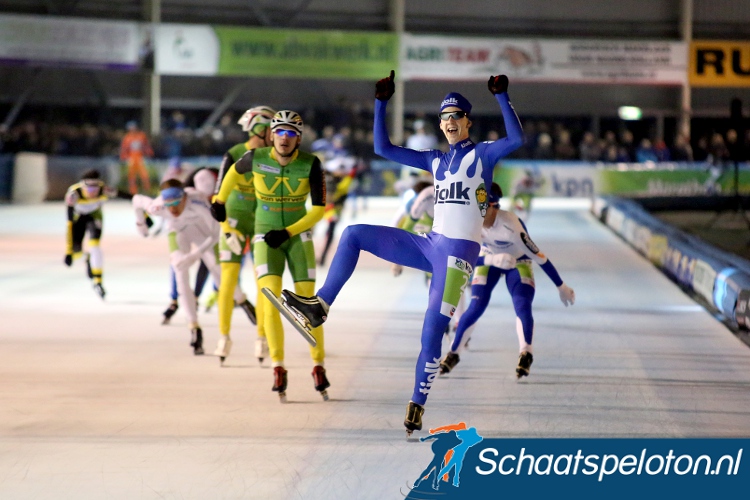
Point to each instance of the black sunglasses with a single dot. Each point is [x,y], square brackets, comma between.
[456,115]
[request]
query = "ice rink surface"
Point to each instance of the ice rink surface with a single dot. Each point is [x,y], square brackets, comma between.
[99,401]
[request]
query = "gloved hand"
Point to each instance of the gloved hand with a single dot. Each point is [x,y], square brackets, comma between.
[68,259]
[181,260]
[498,84]
[397,270]
[149,221]
[142,228]
[219,211]
[276,237]
[501,260]
[385,88]
[567,295]
[235,241]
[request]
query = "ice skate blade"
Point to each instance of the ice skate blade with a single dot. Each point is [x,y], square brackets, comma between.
[296,319]
[324,395]
[221,359]
[198,351]
[260,361]
[165,321]
[282,398]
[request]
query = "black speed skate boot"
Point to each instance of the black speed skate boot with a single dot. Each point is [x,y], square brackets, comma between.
[449,362]
[413,420]
[99,289]
[169,312]
[524,364]
[279,382]
[196,340]
[312,308]
[249,309]
[321,381]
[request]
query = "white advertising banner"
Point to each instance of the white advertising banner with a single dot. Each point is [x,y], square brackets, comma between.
[62,41]
[575,61]
[184,49]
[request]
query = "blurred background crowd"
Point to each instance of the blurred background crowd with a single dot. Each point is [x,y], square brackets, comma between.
[347,131]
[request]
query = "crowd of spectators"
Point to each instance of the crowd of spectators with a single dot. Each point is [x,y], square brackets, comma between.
[351,128]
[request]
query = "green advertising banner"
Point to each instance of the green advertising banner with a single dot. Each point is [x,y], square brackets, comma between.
[306,53]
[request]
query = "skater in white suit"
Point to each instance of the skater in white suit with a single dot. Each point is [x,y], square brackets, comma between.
[193,235]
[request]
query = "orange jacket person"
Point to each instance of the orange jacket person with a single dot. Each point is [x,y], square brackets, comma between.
[132,149]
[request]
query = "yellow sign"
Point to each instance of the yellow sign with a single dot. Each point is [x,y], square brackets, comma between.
[719,64]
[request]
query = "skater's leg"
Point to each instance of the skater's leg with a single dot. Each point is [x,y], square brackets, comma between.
[173,292]
[200,278]
[96,259]
[187,300]
[388,243]
[132,186]
[272,320]
[450,276]
[227,283]
[300,255]
[329,239]
[485,279]
[522,295]
[269,267]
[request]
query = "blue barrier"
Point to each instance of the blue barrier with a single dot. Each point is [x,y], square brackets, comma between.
[721,278]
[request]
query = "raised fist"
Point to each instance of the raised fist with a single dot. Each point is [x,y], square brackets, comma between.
[498,84]
[385,88]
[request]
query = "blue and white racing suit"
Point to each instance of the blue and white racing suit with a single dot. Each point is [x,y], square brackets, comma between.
[462,177]
[507,235]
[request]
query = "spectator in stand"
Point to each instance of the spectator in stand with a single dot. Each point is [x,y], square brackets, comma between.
[700,153]
[645,152]
[661,150]
[681,151]
[589,148]
[717,150]
[421,139]
[628,142]
[734,149]
[564,149]
[544,149]
[323,147]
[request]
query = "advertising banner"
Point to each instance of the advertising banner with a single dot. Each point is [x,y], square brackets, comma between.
[719,63]
[742,311]
[69,42]
[306,53]
[184,49]
[425,57]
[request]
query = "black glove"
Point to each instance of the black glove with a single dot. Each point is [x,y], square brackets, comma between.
[276,237]
[385,88]
[498,84]
[68,259]
[219,211]
[149,222]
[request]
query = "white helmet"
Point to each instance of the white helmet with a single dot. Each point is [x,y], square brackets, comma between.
[287,118]
[259,115]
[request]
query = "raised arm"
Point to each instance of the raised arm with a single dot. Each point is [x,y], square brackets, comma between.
[501,148]
[384,89]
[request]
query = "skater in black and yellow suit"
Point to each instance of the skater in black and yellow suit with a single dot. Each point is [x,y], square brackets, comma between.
[84,202]
[235,199]
[283,178]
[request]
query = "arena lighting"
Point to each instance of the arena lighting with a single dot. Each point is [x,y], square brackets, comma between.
[629,112]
